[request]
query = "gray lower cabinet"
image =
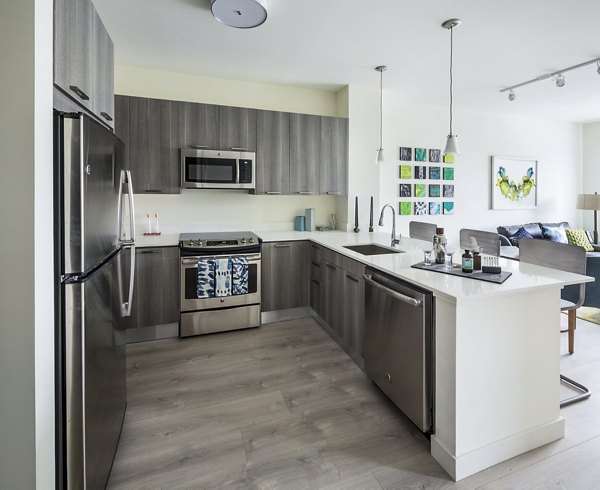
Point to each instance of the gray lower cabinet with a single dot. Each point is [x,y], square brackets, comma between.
[305,153]
[153,145]
[337,295]
[334,156]
[237,128]
[273,153]
[156,290]
[284,277]
[198,125]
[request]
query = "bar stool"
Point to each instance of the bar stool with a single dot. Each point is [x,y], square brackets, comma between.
[568,258]
[421,230]
[487,240]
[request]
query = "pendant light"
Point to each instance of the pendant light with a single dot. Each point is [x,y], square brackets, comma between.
[380,157]
[451,147]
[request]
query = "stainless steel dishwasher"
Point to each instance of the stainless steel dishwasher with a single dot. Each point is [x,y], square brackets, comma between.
[399,344]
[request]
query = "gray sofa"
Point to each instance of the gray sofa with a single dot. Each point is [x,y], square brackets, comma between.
[550,231]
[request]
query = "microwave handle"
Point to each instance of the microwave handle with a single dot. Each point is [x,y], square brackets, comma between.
[237,171]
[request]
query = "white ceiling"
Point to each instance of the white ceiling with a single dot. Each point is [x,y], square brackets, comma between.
[327,44]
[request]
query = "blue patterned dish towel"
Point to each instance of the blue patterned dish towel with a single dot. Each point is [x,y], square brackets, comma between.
[223,277]
[239,275]
[205,285]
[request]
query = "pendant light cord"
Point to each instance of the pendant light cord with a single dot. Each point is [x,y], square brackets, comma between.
[451,56]
[381,109]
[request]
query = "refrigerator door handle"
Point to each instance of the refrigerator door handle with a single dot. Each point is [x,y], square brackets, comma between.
[126,179]
[126,307]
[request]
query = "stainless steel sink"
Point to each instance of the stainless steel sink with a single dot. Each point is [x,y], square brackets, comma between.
[373,249]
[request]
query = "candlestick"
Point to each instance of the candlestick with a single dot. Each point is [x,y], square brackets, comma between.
[371,216]
[356,229]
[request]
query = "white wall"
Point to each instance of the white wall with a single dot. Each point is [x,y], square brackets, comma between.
[591,167]
[26,282]
[232,209]
[556,145]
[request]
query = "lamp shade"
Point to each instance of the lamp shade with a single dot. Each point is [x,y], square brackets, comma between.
[588,201]
[451,147]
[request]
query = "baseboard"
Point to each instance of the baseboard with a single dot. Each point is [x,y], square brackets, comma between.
[156,332]
[284,315]
[459,467]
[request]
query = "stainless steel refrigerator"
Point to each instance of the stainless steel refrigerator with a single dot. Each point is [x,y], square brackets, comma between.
[95,273]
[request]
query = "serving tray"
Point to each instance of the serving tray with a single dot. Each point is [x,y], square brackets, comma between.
[456,271]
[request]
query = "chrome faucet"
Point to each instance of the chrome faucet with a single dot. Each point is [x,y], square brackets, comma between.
[395,241]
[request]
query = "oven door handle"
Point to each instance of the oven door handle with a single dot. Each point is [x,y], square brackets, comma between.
[194,260]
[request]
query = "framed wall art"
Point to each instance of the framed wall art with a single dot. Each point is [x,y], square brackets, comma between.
[514,183]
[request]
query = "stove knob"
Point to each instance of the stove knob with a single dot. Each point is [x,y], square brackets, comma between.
[199,243]
[243,240]
[190,243]
[250,240]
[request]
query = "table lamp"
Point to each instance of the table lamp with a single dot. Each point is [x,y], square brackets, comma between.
[591,202]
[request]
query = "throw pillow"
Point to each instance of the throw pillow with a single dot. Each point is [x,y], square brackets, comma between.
[555,233]
[579,238]
[521,233]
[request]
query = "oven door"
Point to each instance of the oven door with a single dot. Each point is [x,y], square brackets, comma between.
[189,279]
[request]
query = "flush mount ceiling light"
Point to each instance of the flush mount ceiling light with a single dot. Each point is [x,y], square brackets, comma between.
[380,157]
[242,14]
[558,76]
[451,147]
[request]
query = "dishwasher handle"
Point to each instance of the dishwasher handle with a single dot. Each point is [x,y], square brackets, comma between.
[394,294]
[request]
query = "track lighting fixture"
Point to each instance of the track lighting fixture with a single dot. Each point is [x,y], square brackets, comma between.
[558,77]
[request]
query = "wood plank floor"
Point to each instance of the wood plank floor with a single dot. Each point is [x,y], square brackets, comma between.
[283,406]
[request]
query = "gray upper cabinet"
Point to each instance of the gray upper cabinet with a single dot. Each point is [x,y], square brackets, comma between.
[83,59]
[72,48]
[237,128]
[103,80]
[305,153]
[153,145]
[334,156]
[198,125]
[122,121]
[273,153]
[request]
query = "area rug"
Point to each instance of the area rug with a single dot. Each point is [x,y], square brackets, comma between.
[589,314]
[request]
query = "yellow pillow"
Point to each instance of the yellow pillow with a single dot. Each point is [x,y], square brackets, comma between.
[579,238]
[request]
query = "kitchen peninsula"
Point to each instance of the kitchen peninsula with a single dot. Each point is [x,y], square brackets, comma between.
[493,343]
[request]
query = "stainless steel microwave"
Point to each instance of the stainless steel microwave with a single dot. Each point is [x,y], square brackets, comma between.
[216,169]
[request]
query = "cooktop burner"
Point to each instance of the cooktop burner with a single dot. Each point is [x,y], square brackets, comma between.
[219,242]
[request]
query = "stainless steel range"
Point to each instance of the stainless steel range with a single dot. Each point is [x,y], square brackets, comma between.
[200,315]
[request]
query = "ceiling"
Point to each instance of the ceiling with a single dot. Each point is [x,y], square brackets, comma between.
[327,44]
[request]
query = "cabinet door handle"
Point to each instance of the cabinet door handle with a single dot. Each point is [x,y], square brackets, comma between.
[79,92]
[199,147]
[316,282]
[315,263]
[272,193]
[332,267]
[305,193]
[233,148]
[316,247]
[153,191]
[149,251]
[282,245]
[106,116]
[334,193]
[352,278]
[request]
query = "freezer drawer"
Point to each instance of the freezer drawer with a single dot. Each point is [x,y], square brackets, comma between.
[398,344]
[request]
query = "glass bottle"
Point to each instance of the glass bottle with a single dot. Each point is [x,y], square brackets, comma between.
[467,262]
[439,246]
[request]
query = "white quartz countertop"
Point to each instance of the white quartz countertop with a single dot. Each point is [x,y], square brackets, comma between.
[524,276]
